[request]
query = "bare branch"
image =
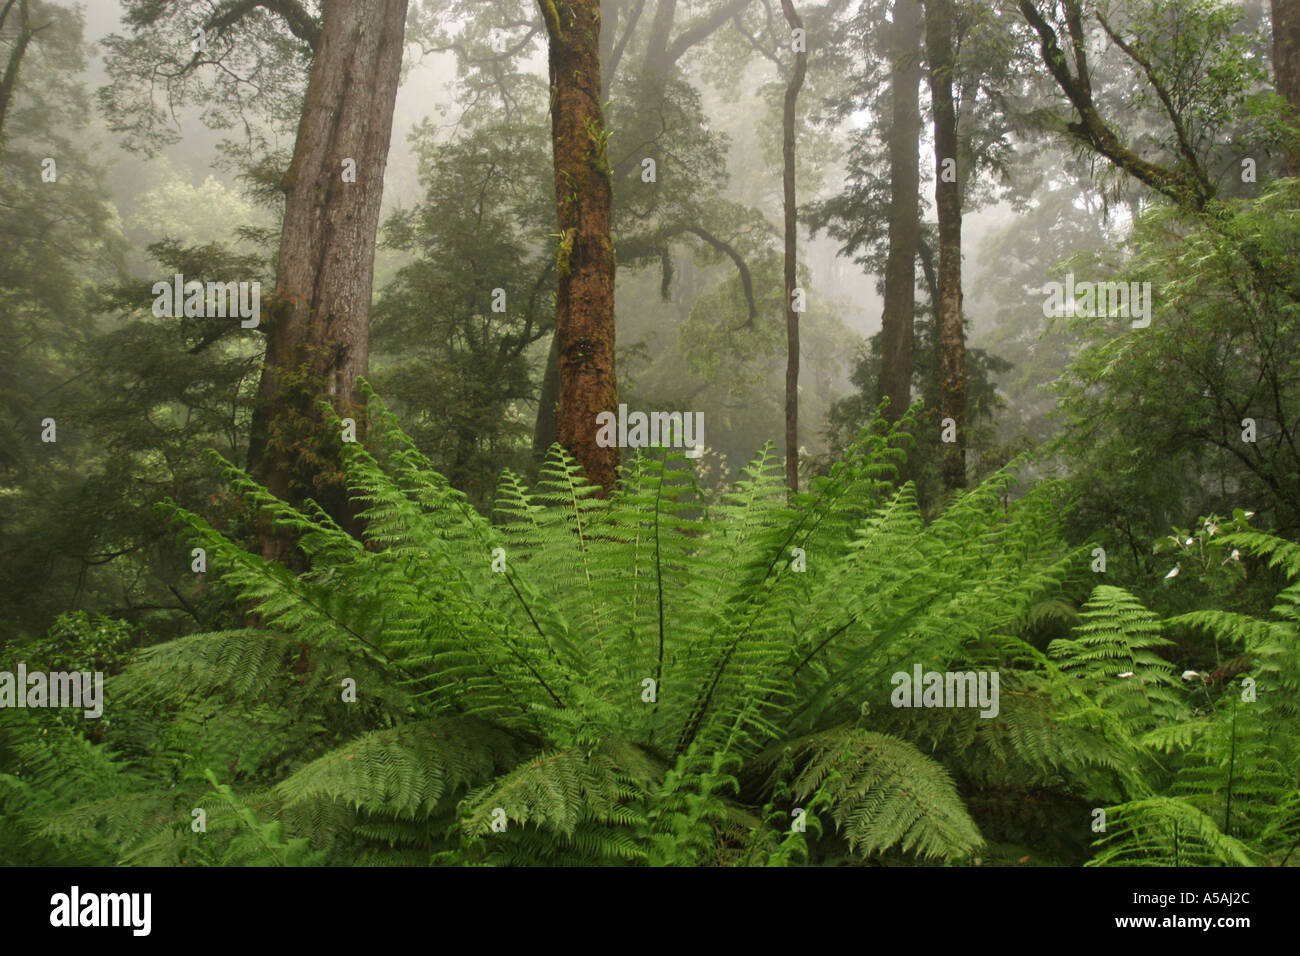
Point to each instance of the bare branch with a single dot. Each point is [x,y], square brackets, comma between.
[703,27]
[746,280]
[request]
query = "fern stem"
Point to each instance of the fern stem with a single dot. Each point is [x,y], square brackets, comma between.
[1232,762]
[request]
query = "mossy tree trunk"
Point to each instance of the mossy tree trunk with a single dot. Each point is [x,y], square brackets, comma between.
[584,300]
[317,322]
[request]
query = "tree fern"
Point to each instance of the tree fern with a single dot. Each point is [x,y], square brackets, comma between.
[1113,655]
[607,675]
[883,792]
[1230,793]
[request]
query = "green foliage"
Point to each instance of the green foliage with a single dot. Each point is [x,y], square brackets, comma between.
[254,842]
[546,677]
[61,239]
[883,792]
[78,641]
[1153,417]
[1113,654]
[257,86]
[647,679]
[453,331]
[1163,831]
[849,414]
[521,697]
[1224,789]
[141,393]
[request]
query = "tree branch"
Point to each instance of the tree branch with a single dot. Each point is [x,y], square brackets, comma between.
[300,23]
[703,27]
[4,14]
[746,280]
[1180,130]
[926,255]
[1092,131]
[186,604]
[607,70]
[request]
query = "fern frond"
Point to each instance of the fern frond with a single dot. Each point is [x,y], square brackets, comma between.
[406,770]
[884,793]
[1166,831]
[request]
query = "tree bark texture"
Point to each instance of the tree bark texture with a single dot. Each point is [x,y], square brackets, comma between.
[952,338]
[584,300]
[896,334]
[791,252]
[318,320]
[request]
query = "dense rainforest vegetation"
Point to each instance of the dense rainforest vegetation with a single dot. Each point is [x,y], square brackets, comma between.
[460,432]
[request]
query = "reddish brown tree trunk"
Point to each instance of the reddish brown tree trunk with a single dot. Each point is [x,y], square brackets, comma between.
[952,339]
[791,252]
[896,334]
[584,299]
[317,323]
[1286,64]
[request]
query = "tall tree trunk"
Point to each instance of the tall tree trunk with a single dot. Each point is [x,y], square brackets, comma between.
[1286,65]
[791,250]
[896,332]
[927,272]
[657,64]
[544,430]
[318,320]
[939,16]
[584,299]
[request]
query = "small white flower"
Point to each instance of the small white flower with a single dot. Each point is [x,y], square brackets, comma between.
[1249,514]
[1236,555]
[1188,675]
[1188,542]
[1173,573]
[1126,674]
[1210,528]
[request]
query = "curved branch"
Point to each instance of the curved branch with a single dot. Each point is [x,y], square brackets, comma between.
[4,14]
[746,280]
[640,249]
[10,78]
[753,42]
[702,28]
